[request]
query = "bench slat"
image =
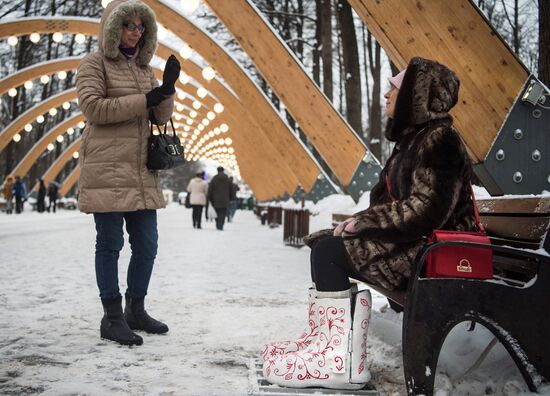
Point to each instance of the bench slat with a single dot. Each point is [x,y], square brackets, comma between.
[530,206]
[523,228]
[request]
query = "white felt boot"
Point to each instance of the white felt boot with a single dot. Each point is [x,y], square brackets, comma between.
[329,361]
[309,333]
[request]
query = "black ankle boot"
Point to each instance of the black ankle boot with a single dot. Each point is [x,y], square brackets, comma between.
[114,326]
[138,319]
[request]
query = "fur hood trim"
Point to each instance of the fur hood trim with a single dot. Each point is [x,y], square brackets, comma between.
[118,12]
[429,90]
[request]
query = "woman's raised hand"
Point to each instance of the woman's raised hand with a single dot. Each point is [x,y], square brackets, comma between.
[170,76]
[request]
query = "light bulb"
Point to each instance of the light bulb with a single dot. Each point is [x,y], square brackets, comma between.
[28,127]
[59,138]
[193,114]
[228,141]
[75,155]
[186,51]
[16,137]
[205,122]
[184,78]
[62,75]
[12,92]
[161,32]
[105,3]
[80,38]
[53,111]
[202,92]
[181,94]
[66,105]
[210,115]
[50,147]
[81,124]
[180,107]
[45,79]
[40,119]
[196,104]
[224,128]
[208,73]
[28,85]
[34,37]
[70,131]
[189,6]
[57,37]
[13,40]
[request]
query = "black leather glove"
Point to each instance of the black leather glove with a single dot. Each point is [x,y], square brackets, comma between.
[154,97]
[170,76]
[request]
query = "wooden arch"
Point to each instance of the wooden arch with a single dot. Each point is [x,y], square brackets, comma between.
[299,165]
[490,75]
[25,74]
[69,181]
[326,129]
[38,148]
[61,161]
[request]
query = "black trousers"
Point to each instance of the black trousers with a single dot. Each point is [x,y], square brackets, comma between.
[220,220]
[330,265]
[197,214]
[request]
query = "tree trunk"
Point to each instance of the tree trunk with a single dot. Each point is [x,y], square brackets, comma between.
[544,42]
[316,54]
[326,46]
[300,31]
[375,119]
[352,72]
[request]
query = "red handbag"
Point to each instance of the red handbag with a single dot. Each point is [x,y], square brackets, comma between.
[459,261]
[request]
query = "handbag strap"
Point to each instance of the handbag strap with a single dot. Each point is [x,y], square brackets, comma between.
[154,121]
[476,212]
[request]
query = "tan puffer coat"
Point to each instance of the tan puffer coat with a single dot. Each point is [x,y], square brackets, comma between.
[111,94]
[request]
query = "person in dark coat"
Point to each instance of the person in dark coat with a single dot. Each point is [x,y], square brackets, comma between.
[425,185]
[219,194]
[20,194]
[52,196]
[233,202]
[41,199]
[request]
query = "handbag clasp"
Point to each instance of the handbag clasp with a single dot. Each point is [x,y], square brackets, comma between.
[172,149]
[464,266]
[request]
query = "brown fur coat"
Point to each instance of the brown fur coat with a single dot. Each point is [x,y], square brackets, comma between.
[429,173]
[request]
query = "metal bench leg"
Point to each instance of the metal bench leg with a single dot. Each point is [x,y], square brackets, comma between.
[421,346]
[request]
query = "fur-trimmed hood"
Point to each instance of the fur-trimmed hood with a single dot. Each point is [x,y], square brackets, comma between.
[429,90]
[115,14]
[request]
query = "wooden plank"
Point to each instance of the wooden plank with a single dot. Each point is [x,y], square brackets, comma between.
[453,33]
[527,205]
[326,129]
[69,181]
[525,228]
[60,162]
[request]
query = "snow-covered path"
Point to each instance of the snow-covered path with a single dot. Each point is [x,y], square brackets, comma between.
[222,294]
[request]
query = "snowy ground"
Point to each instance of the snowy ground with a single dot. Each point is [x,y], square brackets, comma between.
[222,294]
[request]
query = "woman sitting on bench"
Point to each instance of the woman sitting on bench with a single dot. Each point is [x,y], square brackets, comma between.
[425,185]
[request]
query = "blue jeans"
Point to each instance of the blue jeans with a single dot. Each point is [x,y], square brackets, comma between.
[141,226]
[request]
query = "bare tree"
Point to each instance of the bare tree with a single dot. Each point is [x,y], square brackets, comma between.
[544,41]
[351,68]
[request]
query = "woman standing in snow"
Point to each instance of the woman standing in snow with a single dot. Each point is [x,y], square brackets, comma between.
[198,189]
[428,175]
[117,91]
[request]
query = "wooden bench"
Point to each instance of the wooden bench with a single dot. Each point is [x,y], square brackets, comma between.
[514,305]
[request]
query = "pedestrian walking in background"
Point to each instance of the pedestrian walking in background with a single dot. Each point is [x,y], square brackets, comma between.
[20,194]
[53,191]
[232,201]
[219,194]
[41,199]
[198,190]
[117,91]
[8,194]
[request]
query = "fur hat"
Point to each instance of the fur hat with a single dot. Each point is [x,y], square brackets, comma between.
[110,31]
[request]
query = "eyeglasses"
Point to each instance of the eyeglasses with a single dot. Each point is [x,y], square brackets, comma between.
[132,27]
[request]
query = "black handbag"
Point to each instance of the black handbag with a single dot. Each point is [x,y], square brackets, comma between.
[164,151]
